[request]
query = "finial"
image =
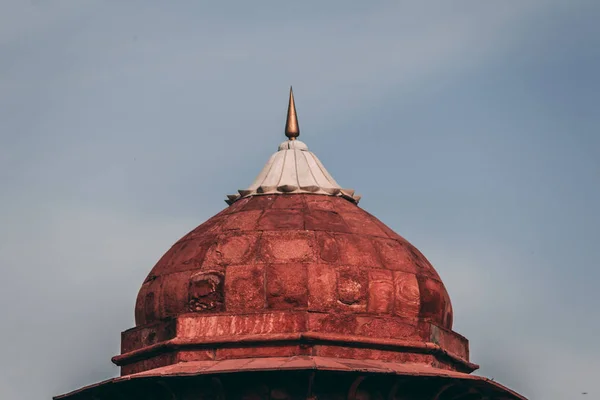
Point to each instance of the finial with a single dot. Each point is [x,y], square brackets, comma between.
[292,130]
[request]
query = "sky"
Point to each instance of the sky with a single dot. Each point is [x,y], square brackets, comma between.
[469,127]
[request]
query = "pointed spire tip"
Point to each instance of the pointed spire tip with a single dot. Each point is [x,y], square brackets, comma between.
[292,129]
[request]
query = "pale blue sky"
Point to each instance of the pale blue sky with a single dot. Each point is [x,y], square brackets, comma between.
[469,127]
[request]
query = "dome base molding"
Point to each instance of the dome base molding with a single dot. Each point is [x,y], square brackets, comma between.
[192,337]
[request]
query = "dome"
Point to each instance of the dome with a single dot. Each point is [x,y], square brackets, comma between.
[293,267]
[293,291]
[296,252]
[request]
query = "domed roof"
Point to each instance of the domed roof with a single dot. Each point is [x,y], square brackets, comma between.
[294,276]
[294,240]
[307,252]
[293,267]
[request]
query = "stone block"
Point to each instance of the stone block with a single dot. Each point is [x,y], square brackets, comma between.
[381,291]
[322,287]
[327,247]
[243,221]
[387,327]
[263,202]
[395,255]
[352,288]
[330,221]
[407,297]
[339,323]
[281,219]
[257,351]
[195,355]
[435,304]
[287,286]
[206,292]
[360,223]
[258,323]
[290,246]
[318,202]
[357,250]
[185,255]
[232,248]
[174,293]
[147,302]
[244,288]
[288,202]
[372,354]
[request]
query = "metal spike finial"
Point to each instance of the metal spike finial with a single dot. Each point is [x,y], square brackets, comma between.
[292,130]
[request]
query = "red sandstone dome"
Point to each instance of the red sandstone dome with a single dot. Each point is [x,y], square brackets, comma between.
[298,253]
[294,292]
[293,267]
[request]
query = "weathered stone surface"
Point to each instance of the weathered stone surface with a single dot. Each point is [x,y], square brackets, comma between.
[174,293]
[232,248]
[407,295]
[387,327]
[322,203]
[210,228]
[255,279]
[322,287]
[195,355]
[330,221]
[150,363]
[185,255]
[206,292]
[281,219]
[333,323]
[237,206]
[289,202]
[372,354]
[147,303]
[362,224]
[451,341]
[434,300]
[330,236]
[357,250]
[327,247]
[287,286]
[288,246]
[214,326]
[395,255]
[244,288]
[381,291]
[421,262]
[258,351]
[352,287]
[147,335]
[259,203]
[243,221]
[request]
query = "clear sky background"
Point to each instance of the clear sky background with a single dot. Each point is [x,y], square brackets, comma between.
[469,127]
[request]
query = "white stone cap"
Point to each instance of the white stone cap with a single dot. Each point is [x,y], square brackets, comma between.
[294,169]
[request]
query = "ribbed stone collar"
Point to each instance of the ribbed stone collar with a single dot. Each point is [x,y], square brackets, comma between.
[294,169]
